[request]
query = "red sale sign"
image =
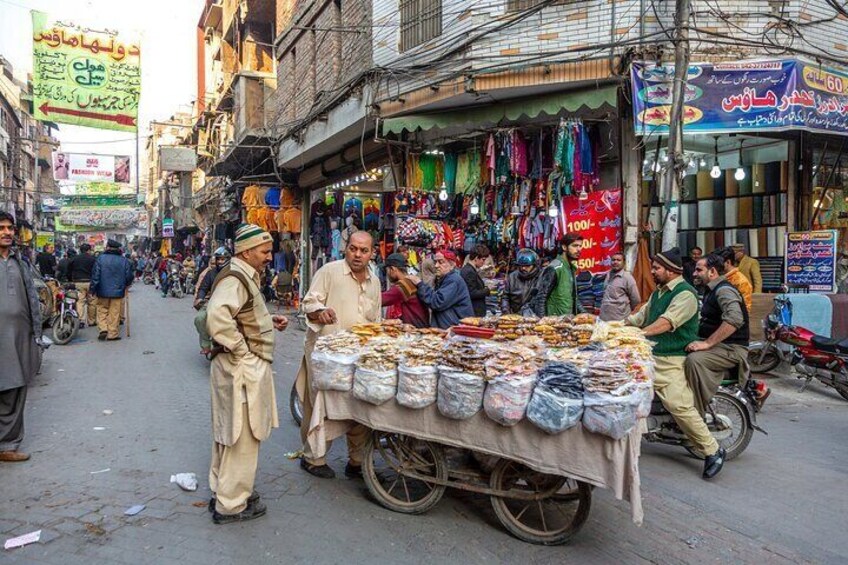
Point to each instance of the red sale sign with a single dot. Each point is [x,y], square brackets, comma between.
[598,218]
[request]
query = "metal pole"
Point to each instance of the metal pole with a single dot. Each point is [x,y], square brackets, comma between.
[671,191]
[137,167]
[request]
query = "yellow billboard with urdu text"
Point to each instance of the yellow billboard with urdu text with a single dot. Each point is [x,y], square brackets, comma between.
[83,76]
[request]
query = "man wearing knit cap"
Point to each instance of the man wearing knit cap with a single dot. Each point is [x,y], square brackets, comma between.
[244,408]
[670,320]
[556,291]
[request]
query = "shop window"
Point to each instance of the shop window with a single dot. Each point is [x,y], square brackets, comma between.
[420,21]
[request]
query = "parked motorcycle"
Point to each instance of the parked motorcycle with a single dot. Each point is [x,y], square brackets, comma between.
[65,321]
[175,283]
[731,417]
[812,356]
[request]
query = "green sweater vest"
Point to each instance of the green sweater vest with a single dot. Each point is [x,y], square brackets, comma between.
[672,344]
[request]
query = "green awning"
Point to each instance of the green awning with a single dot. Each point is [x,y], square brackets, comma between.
[512,111]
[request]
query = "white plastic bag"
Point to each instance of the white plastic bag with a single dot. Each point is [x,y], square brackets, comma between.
[613,416]
[460,394]
[507,397]
[552,411]
[333,371]
[375,387]
[645,392]
[417,386]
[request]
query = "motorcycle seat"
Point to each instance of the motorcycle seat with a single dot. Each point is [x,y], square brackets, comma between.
[830,345]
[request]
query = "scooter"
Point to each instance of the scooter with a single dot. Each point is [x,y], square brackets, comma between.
[812,356]
[65,321]
[731,418]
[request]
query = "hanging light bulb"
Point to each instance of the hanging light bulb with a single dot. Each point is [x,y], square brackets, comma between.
[646,161]
[443,194]
[740,172]
[553,211]
[665,158]
[715,172]
[474,208]
[702,163]
[583,195]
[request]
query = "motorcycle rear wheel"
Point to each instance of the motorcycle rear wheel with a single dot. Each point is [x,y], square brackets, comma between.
[178,291]
[763,360]
[65,329]
[742,432]
[842,390]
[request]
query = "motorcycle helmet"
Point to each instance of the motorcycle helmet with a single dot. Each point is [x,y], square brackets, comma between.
[526,258]
[221,252]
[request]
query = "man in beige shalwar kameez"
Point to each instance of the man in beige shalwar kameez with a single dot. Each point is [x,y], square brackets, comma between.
[342,294]
[244,408]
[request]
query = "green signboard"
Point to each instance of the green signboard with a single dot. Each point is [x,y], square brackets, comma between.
[83,76]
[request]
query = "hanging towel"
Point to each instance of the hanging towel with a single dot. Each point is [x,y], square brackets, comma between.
[705,214]
[753,243]
[718,213]
[746,211]
[731,212]
[758,211]
[451,166]
[731,185]
[758,179]
[746,186]
[773,177]
[705,185]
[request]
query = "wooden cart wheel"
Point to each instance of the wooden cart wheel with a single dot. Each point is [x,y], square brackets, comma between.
[389,461]
[552,520]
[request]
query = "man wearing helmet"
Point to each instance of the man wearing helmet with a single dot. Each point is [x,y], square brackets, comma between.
[219,260]
[520,283]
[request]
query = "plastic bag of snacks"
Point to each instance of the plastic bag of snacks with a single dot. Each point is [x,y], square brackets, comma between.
[552,412]
[375,387]
[507,397]
[557,402]
[417,386]
[645,393]
[460,394]
[333,371]
[612,415]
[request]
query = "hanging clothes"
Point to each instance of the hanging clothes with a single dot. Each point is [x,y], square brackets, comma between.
[451,166]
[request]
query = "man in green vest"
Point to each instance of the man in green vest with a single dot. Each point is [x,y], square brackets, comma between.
[670,320]
[556,292]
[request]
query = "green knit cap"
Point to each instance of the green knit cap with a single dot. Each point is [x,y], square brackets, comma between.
[249,236]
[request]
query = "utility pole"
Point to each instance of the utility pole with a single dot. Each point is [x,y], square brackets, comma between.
[672,177]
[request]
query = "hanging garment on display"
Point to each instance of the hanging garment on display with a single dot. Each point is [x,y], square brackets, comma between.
[705,214]
[746,186]
[451,166]
[704,184]
[746,211]
[719,186]
[491,158]
[702,241]
[762,241]
[754,243]
[758,211]
[684,217]
[731,185]
[272,197]
[718,213]
[731,212]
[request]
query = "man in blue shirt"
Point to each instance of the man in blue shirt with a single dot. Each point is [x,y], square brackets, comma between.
[448,299]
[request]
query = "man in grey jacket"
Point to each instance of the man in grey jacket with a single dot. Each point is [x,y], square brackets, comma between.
[20,338]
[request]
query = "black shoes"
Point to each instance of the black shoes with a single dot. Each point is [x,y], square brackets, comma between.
[101,336]
[320,471]
[252,499]
[714,463]
[113,338]
[353,471]
[253,511]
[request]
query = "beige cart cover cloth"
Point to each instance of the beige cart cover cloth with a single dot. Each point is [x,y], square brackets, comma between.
[575,453]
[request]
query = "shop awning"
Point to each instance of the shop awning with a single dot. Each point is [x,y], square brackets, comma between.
[512,111]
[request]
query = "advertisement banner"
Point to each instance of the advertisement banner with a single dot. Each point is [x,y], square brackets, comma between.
[43,238]
[98,189]
[743,96]
[100,218]
[87,167]
[811,259]
[177,159]
[598,218]
[167,227]
[83,76]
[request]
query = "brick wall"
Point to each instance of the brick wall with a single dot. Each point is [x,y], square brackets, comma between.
[322,44]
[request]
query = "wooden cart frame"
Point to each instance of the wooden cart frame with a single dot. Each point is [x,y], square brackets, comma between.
[410,475]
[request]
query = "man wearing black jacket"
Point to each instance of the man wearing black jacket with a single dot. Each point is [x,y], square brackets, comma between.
[46,261]
[476,287]
[79,273]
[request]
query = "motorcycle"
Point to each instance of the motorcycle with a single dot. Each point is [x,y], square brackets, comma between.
[65,321]
[812,356]
[731,418]
[175,284]
[189,282]
[149,277]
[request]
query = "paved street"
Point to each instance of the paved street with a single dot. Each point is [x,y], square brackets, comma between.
[783,501]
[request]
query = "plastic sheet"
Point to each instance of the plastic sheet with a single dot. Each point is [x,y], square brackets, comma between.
[553,412]
[611,415]
[375,387]
[460,394]
[507,397]
[645,394]
[333,371]
[417,386]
